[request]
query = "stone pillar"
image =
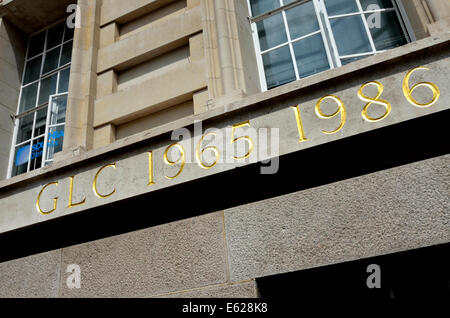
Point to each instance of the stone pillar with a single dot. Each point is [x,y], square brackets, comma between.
[83,81]
[223,53]
[12,56]
[440,15]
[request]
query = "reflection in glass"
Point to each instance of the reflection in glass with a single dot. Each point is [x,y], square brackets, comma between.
[271,32]
[302,20]
[66,54]
[25,128]
[41,118]
[21,158]
[32,70]
[48,87]
[390,34]
[37,150]
[55,141]
[68,33]
[278,67]
[51,60]
[64,80]
[28,98]
[311,55]
[382,4]
[36,45]
[55,35]
[58,109]
[335,7]
[350,35]
[262,6]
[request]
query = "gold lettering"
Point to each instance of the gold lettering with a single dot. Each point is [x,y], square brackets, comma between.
[172,163]
[245,138]
[375,100]
[150,168]
[198,153]
[71,205]
[341,110]
[408,91]
[55,200]
[298,118]
[94,185]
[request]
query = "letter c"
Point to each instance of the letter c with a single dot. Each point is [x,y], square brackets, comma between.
[94,185]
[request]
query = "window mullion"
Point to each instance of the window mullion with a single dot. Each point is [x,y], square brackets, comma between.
[330,34]
[323,34]
[291,48]
[259,60]
[366,26]
[47,128]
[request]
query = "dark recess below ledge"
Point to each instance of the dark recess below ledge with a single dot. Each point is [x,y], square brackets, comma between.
[384,148]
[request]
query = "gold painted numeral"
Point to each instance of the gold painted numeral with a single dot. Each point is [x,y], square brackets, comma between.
[245,138]
[199,152]
[182,159]
[298,118]
[375,100]
[408,91]
[341,110]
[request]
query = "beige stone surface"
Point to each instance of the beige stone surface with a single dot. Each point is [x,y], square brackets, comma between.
[166,35]
[133,9]
[170,257]
[109,34]
[160,118]
[246,289]
[36,276]
[106,84]
[79,130]
[104,135]
[151,95]
[388,211]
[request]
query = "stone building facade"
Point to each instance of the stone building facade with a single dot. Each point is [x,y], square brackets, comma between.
[338,110]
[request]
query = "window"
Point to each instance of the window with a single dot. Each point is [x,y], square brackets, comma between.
[298,38]
[39,129]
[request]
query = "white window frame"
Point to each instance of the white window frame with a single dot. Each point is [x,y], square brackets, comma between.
[38,107]
[48,126]
[334,59]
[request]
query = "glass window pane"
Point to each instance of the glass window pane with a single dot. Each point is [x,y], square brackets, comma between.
[311,55]
[66,54]
[48,87]
[278,67]
[55,141]
[55,36]
[37,150]
[271,32]
[41,119]
[302,20]
[335,7]
[262,6]
[350,35]
[381,4]
[25,128]
[51,60]
[32,70]
[390,34]
[36,45]
[21,159]
[68,33]
[64,80]
[28,98]
[353,59]
[58,110]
